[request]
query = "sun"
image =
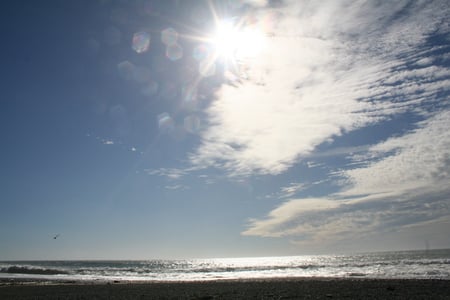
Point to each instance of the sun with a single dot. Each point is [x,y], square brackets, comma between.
[233,42]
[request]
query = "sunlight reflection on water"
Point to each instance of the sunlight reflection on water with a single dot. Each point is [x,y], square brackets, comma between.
[383,265]
[408,264]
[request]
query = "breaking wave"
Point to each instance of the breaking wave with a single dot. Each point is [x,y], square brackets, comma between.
[32,270]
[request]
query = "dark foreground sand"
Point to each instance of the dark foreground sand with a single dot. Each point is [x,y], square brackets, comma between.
[249,289]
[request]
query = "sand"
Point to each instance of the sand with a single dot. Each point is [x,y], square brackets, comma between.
[289,288]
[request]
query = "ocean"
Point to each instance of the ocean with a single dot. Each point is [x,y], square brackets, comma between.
[432,264]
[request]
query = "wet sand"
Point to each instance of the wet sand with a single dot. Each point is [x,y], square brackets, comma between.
[289,288]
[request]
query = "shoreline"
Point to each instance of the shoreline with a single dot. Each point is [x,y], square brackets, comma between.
[264,288]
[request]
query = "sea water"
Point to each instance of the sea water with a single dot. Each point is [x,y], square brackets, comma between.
[432,264]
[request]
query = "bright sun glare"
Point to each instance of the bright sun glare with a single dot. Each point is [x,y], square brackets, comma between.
[234,43]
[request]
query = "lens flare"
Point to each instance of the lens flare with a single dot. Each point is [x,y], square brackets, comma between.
[174,52]
[169,36]
[141,41]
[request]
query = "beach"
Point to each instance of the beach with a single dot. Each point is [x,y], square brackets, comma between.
[285,288]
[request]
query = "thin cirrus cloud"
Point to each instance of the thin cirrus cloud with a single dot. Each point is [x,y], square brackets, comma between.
[292,189]
[176,187]
[333,67]
[170,173]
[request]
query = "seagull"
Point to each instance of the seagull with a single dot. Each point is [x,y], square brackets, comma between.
[56,236]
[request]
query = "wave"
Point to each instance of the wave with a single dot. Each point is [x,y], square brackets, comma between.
[27,270]
[391,265]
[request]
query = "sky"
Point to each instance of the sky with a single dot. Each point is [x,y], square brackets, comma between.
[190,129]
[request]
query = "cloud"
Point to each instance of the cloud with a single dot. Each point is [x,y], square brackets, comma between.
[323,220]
[171,173]
[283,220]
[264,128]
[335,152]
[330,68]
[417,160]
[176,187]
[407,187]
[292,189]
[353,64]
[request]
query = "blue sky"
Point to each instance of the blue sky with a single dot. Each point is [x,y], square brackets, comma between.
[134,130]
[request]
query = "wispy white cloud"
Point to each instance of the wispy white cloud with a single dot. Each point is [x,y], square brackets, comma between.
[324,220]
[170,173]
[291,189]
[335,152]
[404,189]
[417,160]
[330,68]
[176,187]
[379,63]
[284,220]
